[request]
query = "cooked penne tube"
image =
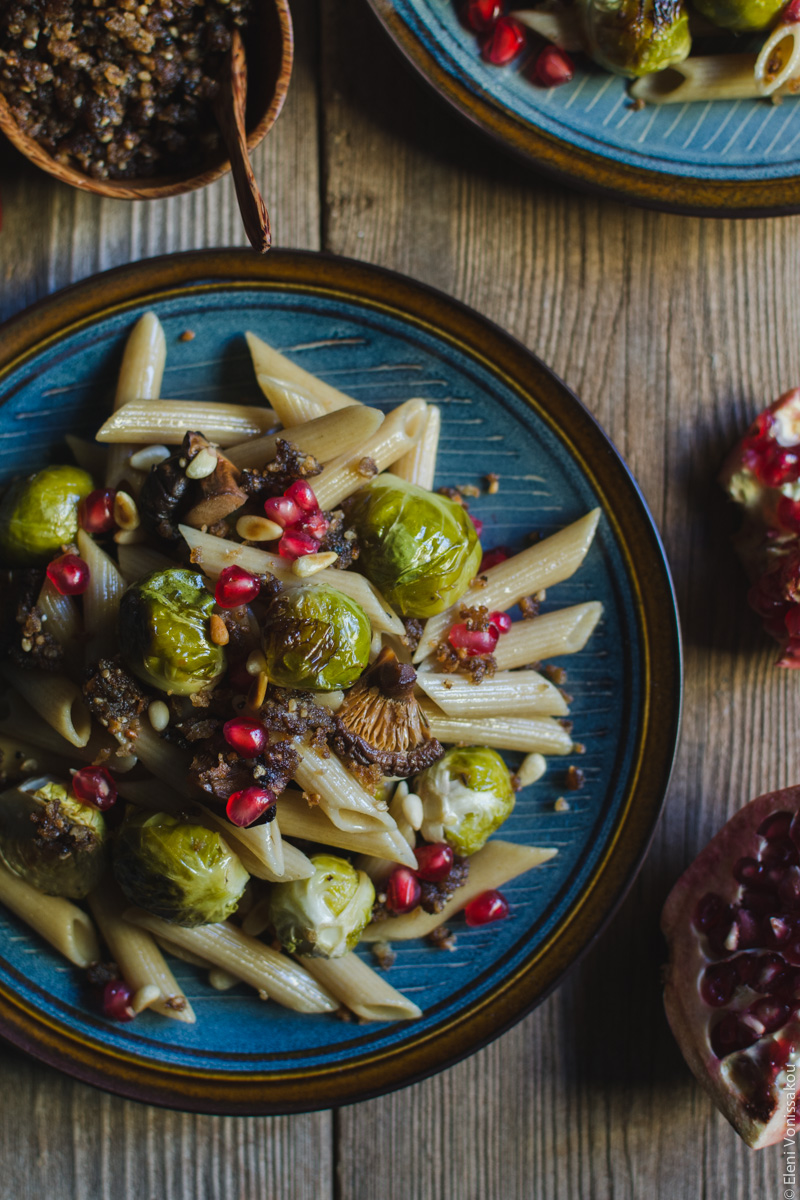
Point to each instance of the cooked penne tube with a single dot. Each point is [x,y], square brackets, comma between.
[490,868]
[137,955]
[213,554]
[145,423]
[139,380]
[361,989]
[56,699]
[22,723]
[558,25]
[340,795]
[401,430]
[227,946]
[63,622]
[419,464]
[194,960]
[540,735]
[137,561]
[100,600]
[548,562]
[295,394]
[325,437]
[507,693]
[725,76]
[65,926]
[21,759]
[777,67]
[562,632]
[302,820]
[166,761]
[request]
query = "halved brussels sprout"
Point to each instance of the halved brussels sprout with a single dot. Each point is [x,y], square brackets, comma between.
[52,840]
[465,797]
[316,638]
[420,549]
[164,632]
[636,37]
[742,16]
[181,872]
[325,914]
[39,514]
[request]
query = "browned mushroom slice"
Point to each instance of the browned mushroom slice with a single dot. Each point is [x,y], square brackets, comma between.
[221,494]
[380,721]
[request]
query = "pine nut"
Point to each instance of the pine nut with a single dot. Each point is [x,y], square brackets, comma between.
[158,714]
[412,810]
[532,767]
[309,564]
[126,514]
[147,457]
[256,663]
[218,630]
[258,529]
[202,465]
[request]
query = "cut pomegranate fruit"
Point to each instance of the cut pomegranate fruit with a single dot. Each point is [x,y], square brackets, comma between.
[732,990]
[94,786]
[434,861]
[402,890]
[235,587]
[96,511]
[504,42]
[69,575]
[247,737]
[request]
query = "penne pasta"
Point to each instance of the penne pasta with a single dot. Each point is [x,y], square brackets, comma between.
[361,989]
[100,600]
[325,437]
[548,562]
[21,723]
[491,867]
[145,423]
[777,68]
[507,693]
[228,947]
[139,379]
[540,735]
[63,622]
[60,922]
[302,820]
[338,793]
[167,762]
[556,25]
[712,77]
[418,465]
[562,632]
[401,431]
[56,700]
[295,394]
[137,561]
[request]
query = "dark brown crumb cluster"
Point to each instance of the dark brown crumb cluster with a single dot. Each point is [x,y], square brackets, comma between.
[341,539]
[169,497]
[115,698]
[433,896]
[574,779]
[290,464]
[23,633]
[219,771]
[529,608]
[121,89]
[413,633]
[99,974]
[285,710]
[441,938]
[57,833]
[452,659]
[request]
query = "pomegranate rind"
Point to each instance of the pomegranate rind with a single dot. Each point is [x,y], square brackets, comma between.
[688,1014]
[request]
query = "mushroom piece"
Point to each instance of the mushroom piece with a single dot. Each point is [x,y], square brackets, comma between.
[380,720]
[170,495]
[221,494]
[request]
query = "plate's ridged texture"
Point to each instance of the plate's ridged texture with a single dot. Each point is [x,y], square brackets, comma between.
[381,339]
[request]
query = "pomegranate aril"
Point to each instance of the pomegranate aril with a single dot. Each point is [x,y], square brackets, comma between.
[235,587]
[779,931]
[282,510]
[474,641]
[316,525]
[477,522]
[776,825]
[295,545]
[789,887]
[69,574]
[759,902]
[780,852]
[501,621]
[779,466]
[769,974]
[749,872]
[791,623]
[94,786]
[750,930]
[731,1034]
[788,514]
[493,557]
[718,984]
[117,997]
[553,67]
[746,967]
[791,952]
[245,807]
[791,14]
[434,861]
[504,42]
[246,737]
[481,15]
[488,907]
[770,1013]
[96,511]
[711,911]
[302,495]
[402,890]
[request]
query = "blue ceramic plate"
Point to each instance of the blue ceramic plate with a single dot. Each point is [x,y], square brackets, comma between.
[722,157]
[382,339]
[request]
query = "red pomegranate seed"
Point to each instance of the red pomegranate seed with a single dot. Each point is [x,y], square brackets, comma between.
[282,510]
[247,738]
[402,890]
[776,825]
[769,1013]
[245,807]
[788,514]
[781,465]
[501,621]
[748,872]
[791,14]
[315,525]
[481,15]
[711,911]
[492,557]
[477,522]
[117,998]
[730,1034]
[553,67]
[769,974]
[295,545]
[96,511]
[302,495]
[94,785]
[69,575]
[791,621]
[489,906]
[474,641]
[434,862]
[504,42]
[235,587]
[718,984]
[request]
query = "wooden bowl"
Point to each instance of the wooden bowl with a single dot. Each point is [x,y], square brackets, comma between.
[269,43]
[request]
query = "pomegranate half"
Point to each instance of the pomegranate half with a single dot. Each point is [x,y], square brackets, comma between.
[732,987]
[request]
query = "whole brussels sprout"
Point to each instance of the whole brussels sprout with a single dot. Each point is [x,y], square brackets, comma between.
[325,914]
[420,549]
[52,840]
[316,638]
[465,796]
[636,37]
[163,632]
[742,16]
[184,873]
[39,514]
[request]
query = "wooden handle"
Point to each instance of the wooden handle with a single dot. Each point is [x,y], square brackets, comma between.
[230,109]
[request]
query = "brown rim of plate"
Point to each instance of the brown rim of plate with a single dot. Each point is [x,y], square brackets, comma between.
[160,187]
[377,1072]
[575,166]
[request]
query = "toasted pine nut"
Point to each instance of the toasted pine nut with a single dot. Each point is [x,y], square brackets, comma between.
[257,692]
[309,564]
[126,514]
[256,663]
[412,810]
[258,529]
[218,630]
[331,700]
[147,457]
[561,805]
[130,537]
[203,464]
[158,714]
[532,767]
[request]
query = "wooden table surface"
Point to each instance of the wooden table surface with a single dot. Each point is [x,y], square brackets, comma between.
[674,331]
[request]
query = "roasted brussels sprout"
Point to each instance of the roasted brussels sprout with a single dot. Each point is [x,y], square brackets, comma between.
[52,840]
[184,873]
[325,914]
[465,796]
[316,638]
[39,514]
[636,37]
[742,16]
[420,549]
[163,632]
